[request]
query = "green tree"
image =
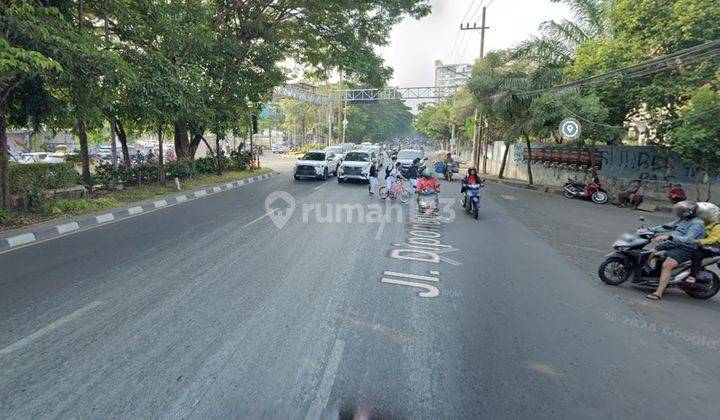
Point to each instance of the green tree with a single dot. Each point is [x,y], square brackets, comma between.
[33,36]
[697,138]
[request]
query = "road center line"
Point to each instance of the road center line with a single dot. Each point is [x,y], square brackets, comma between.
[260,218]
[53,326]
[327,382]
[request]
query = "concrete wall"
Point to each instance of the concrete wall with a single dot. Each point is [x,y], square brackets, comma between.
[620,164]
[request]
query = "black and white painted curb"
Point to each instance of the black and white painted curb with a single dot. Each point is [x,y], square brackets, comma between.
[101,219]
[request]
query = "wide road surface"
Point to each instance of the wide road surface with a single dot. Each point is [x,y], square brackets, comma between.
[210,309]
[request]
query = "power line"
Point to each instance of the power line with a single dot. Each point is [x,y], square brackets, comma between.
[678,59]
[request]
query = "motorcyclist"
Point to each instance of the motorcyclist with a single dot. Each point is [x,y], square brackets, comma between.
[428,181]
[471,178]
[710,245]
[679,242]
[449,162]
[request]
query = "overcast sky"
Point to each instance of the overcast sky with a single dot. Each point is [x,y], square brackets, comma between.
[415,45]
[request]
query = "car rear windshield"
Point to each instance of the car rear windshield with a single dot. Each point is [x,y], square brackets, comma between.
[408,155]
[314,156]
[334,149]
[357,157]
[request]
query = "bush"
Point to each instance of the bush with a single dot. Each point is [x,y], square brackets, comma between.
[36,177]
[5,216]
[64,206]
[181,169]
[205,165]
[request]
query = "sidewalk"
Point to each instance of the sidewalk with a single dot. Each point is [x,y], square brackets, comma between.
[649,205]
[63,226]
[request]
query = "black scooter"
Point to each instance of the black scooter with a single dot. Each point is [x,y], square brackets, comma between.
[630,261]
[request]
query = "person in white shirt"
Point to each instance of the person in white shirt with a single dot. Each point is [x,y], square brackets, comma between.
[395,175]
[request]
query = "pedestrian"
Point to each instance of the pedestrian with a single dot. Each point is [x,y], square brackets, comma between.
[373,181]
[634,195]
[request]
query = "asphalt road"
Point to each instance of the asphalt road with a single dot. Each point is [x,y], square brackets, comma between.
[208,309]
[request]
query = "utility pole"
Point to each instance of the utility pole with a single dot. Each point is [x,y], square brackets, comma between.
[477,140]
[345,120]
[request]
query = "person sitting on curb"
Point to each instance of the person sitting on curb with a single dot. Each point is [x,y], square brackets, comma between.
[634,195]
[679,240]
[677,194]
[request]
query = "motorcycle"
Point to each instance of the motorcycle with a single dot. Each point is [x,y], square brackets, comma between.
[630,261]
[427,201]
[592,191]
[471,201]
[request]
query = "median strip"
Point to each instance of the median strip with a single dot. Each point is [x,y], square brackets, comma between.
[46,233]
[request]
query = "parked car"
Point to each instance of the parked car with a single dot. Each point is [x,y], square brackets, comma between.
[32,157]
[356,166]
[54,158]
[316,164]
[278,148]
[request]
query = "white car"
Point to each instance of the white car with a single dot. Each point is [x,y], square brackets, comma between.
[32,157]
[316,164]
[338,151]
[356,166]
[54,158]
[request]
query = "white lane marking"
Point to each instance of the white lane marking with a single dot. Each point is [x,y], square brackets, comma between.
[450,261]
[260,218]
[53,326]
[135,210]
[181,198]
[326,384]
[67,227]
[200,193]
[508,197]
[160,203]
[21,239]
[318,187]
[108,217]
[410,276]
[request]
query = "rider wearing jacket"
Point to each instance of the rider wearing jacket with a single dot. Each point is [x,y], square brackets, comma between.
[428,181]
[471,178]
[679,240]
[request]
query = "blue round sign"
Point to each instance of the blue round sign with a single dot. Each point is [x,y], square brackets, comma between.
[570,129]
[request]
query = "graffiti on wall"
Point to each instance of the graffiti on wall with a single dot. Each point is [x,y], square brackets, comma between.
[634,162]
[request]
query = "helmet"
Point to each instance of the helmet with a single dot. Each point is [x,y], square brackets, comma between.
[427,173]
[685,209]
[708,212]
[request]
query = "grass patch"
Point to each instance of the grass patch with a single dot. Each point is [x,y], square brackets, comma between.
[108,199]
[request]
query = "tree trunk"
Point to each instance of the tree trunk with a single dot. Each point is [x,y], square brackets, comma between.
[84,152]
[161,158]
[529,160]
[122,138]
[218,155]
[194,143]
[182,142]
[504,161]
[4,164]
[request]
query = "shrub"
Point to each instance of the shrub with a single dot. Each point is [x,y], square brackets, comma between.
[5,216]
[36,177]
[64,206]
[205,165]
[181,169]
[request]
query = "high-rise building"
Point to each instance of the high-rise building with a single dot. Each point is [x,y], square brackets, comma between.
[451,75]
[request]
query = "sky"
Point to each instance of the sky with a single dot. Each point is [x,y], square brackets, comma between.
[415,45]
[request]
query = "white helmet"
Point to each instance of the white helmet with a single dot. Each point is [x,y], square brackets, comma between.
[708,212]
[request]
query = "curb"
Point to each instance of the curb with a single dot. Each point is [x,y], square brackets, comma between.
[70,226]
[652,207]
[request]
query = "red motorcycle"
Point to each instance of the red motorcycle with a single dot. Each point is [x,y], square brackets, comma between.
[592,191]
